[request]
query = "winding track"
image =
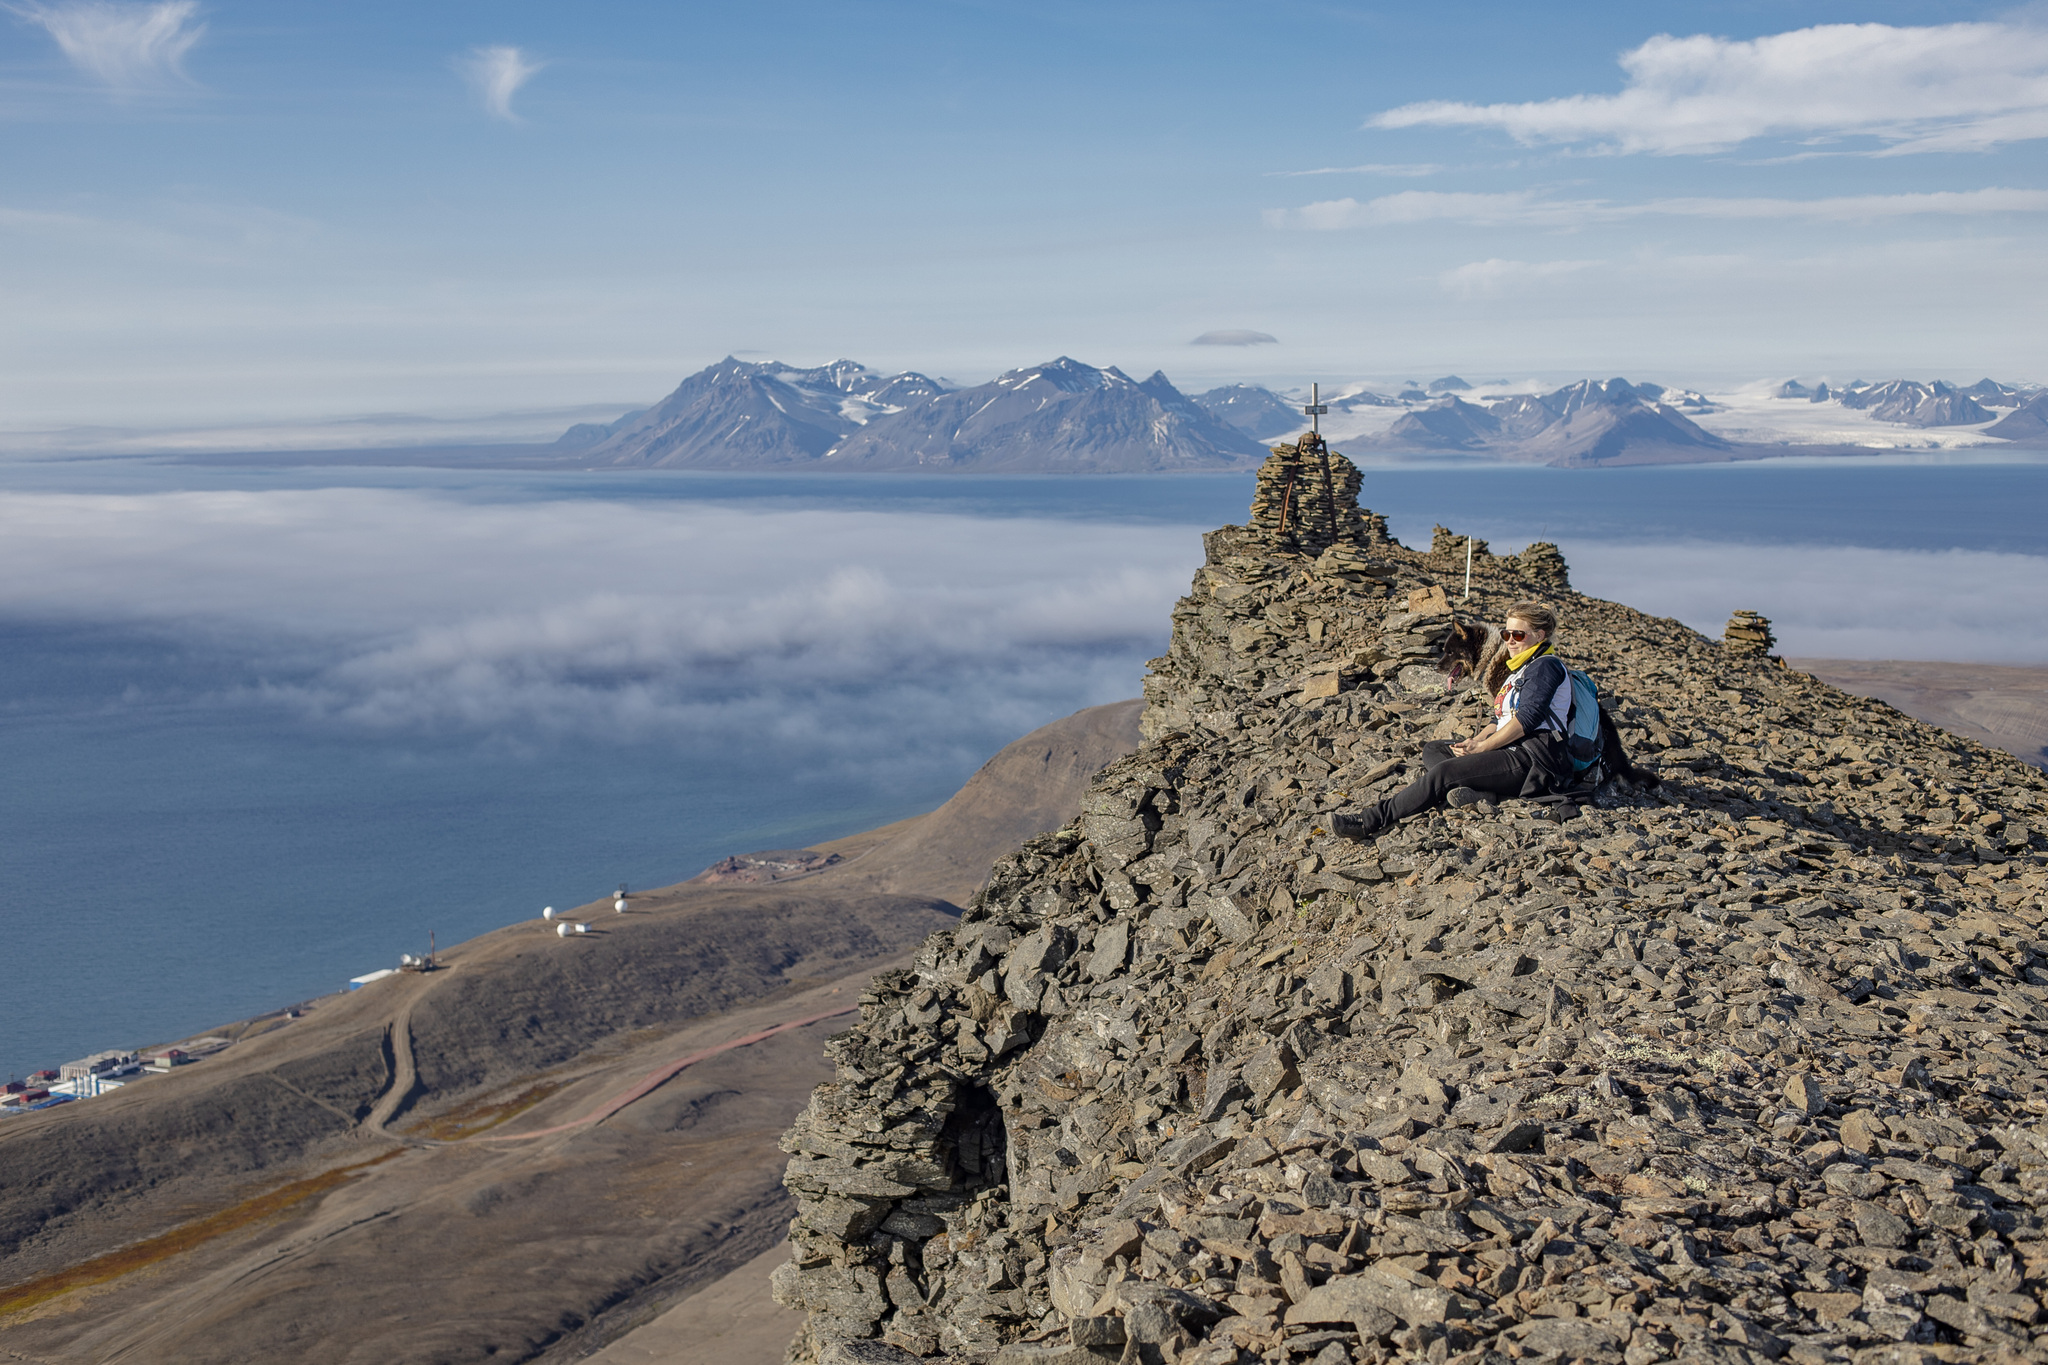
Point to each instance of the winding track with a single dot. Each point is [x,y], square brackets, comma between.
[655,1078]
[405,1078]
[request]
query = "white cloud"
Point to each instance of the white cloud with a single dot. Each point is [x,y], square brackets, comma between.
[411,612]
[128,47]
[496,73]
[1837,602]
[1523,208]
[1486,279]
[1415,169]
[1949,87]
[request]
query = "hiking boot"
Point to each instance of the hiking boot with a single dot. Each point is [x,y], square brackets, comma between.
[1467,796]
[1357,827]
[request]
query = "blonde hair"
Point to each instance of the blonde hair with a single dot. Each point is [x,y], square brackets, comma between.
[1536,614]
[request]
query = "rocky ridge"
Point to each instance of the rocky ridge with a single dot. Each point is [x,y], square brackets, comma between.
[1748,1068]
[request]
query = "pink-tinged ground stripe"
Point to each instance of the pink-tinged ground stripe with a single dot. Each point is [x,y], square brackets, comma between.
[656,1078]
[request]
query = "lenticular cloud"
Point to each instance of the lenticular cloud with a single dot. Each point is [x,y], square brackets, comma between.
[1943,88]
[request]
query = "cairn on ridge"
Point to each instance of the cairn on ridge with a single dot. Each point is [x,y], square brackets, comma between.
[1749,635]
[1750,1069]
[1542,562]
[1306,497]
[1448,545]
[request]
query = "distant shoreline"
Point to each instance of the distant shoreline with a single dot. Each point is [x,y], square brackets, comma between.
[547,457]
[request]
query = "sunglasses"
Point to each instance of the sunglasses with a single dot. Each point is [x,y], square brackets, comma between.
[1517,636]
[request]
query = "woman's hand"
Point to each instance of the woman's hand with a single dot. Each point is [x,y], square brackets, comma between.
[1498,737]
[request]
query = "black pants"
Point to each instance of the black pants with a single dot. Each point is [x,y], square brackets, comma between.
[1503,772]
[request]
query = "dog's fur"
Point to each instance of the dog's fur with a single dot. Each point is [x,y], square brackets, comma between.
[1472,650]
[1479,651]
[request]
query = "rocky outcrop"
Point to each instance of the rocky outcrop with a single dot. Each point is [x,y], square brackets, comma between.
[1748,1069]
[1748,634]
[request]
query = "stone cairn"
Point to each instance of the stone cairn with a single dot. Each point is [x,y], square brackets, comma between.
[1448,545]
[1542,562]
[1752,1068]
[1748,634]
[1307,497]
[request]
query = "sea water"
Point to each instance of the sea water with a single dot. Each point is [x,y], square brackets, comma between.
[264,729]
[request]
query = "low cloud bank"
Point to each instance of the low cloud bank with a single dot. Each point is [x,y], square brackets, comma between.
[1836,602]
[825,640]
[834,632]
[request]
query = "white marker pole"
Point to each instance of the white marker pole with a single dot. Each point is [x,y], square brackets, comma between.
[1468,568]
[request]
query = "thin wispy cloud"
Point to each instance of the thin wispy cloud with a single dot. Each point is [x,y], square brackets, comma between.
[495,74]
[1491,278]
[128,48]
[1948,87]
[1526,208]
[1416,169]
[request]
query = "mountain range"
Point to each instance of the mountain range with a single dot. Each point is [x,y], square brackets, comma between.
[1065,416]
[1913,404]
[1059,417]
[1592,422]
[740,415]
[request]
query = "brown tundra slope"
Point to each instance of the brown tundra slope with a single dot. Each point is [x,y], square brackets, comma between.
[410,1173]
[1748,1067]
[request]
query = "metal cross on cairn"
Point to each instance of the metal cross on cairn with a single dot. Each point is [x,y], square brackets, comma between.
[1316,408]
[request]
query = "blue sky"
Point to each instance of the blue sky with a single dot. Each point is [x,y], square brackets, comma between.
[214,211]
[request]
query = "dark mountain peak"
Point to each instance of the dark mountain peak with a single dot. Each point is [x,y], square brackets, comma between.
[1447,424]
[739,414]
[2028,421]
[1062,416]
[1595,421]
[1991,394]
[1365,398]
[1066,374]
[1257,412]
[1450,383]
[1911,403]
[1593,393]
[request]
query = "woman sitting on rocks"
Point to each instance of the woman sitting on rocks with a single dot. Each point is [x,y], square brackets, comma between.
[1523,754]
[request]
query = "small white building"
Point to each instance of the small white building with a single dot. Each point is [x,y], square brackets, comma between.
[97,1064]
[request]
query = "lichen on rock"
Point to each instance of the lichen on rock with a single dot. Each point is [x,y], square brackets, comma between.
[1749,1067]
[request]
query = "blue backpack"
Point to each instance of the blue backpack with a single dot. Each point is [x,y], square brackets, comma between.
[1582,724]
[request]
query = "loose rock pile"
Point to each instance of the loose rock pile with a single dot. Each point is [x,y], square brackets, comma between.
[1542,564]
[1748,634]
[1748,1069]
[1448,545]
[1306,498]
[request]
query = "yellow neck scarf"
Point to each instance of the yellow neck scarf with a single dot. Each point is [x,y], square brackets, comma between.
[1516,662]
